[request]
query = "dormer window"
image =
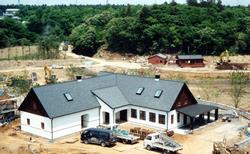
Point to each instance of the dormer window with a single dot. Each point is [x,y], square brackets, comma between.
[139,91]
[158,93]
[68,96]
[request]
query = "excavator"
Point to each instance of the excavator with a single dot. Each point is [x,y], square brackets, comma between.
[224,58]
[225,63]
[49,78]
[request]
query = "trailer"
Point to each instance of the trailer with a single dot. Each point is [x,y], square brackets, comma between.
[161,141]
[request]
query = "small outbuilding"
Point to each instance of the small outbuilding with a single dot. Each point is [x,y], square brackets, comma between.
[190,60]
[157,59]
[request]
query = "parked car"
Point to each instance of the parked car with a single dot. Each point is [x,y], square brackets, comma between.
[98,136]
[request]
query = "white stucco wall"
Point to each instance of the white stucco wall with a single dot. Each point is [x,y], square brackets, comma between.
[147,122]
[35,124]
[105,108]
[69,124]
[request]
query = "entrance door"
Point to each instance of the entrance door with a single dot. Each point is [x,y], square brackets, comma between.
[123,115]
[106,118]
[84,120]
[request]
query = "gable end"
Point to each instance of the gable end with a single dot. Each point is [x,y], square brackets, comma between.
[32,104]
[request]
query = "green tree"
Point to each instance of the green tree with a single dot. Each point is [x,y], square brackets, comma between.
[239,81]
[84,40]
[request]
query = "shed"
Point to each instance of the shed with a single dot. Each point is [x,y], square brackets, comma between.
[190,60]
[157,59]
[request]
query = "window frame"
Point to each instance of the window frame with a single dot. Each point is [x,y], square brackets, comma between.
[172,119]
[140,90]
[152,117]
[178,117]
[132,115]
[142,115]
[162,119]
[42,125]
[68,96]
[158,93]
[28,121]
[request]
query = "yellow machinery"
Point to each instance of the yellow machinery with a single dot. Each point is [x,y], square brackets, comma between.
[224,57]
[49,78]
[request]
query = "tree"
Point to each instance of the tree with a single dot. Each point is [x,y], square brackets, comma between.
[84,40]
[239,81]
[192,2]
[48,47]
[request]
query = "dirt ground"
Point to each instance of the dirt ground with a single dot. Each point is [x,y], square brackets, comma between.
[201,141]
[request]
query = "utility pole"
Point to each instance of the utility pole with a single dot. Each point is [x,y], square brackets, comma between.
[107,2]
[18,2]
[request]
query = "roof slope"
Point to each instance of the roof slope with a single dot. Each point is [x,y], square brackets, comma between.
[159,55]
[196,109]
[130,84]
[112,96]
[187,57]
[54,102]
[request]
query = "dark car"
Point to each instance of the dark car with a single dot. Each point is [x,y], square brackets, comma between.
[98,136]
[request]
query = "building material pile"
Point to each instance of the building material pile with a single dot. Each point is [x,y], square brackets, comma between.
[222,148]
[140,132]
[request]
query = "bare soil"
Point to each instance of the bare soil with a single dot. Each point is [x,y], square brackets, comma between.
[201,141]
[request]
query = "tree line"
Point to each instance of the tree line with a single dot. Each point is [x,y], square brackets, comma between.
[205,27]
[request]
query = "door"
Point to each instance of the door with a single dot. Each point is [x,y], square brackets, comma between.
[94,137]
[84,120]
[106,119]
[123,115]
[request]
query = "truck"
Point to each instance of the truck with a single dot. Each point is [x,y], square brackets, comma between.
[121,135]
[124,136]
[160,140]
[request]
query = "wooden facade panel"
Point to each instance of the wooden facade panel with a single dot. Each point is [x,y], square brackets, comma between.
[184,98]
[32,104]
[191,63]
[157,60]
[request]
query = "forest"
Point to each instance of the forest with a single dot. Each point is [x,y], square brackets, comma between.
[205,28]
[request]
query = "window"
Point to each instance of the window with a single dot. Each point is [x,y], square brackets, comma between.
[142,115]
[151,117]
[28,121]
[42,125]
[172,119]
[139,91]
[133,113]
[149,138]
[161,119]
[68,96]
[178,117]
[158,93]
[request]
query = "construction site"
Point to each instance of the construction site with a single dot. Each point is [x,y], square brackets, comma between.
[229,134]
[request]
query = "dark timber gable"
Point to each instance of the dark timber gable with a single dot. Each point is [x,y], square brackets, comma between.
[184,98]
[31,104]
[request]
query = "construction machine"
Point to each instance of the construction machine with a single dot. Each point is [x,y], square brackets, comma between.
[49,77]
[225,63]
[224,58]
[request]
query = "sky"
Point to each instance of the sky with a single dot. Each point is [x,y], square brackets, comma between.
[147,2]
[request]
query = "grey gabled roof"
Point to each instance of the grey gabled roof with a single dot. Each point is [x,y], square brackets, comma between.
[187,57]
[159,55]
[116,90]
[196,109]
[112,96]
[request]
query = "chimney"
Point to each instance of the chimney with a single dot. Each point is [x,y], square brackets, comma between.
[157,77]
[79,78]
